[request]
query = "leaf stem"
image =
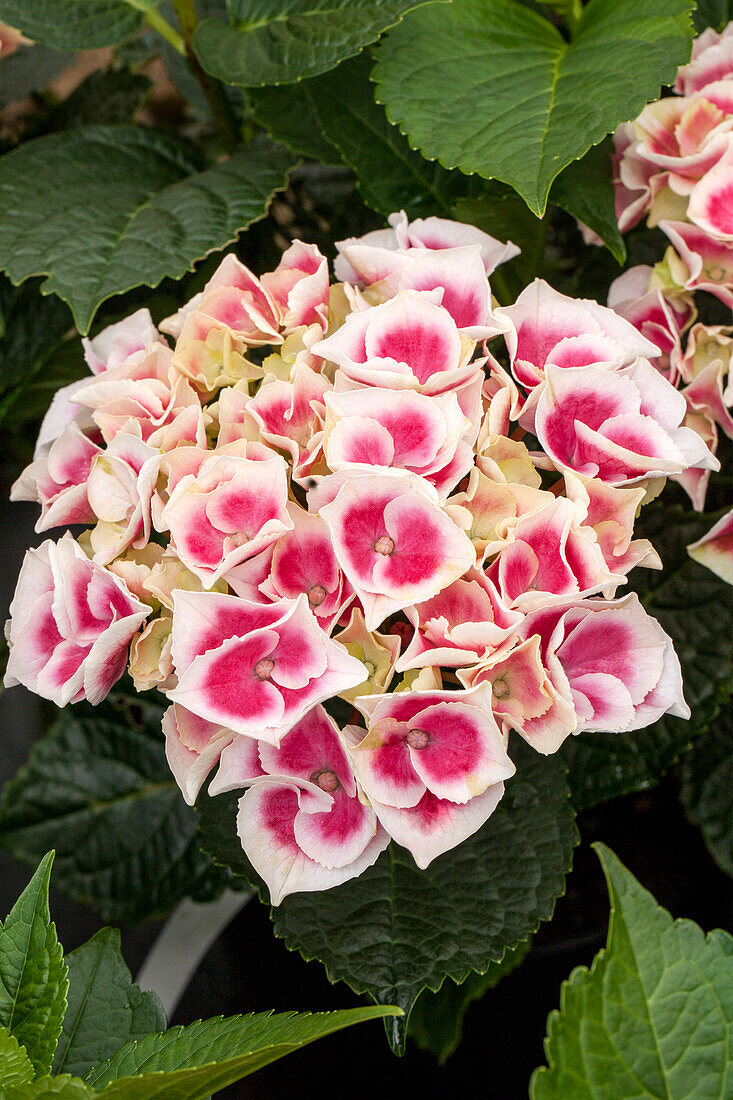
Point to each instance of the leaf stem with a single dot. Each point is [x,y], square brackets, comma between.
[573,16]
[216,97]
[159,24]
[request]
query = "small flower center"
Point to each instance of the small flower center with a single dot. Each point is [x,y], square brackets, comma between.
[263,668]
[384,545]
[326,780]
[316,595]
[417,738]
[500,688]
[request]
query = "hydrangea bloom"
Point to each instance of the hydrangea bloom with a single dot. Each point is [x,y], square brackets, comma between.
[674,166]
[313,498]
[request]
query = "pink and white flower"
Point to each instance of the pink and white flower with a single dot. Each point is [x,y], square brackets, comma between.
[58,480]
[550,328]
[711,199]
[610,511]
[300,286]
[394,542]
[660,317]
[145,395]
[110,348]
[712,60]
[302,561]
[119,489]
[71,622]
[403,429]
[458,626]
[548,556]
[706,368]
[523,695]
[395,260]
[302,823]
[433,764]
[620,426]
[228,511]
[715,549]
[254,668]
[371,403]
[432,233]
[409,342]
[233,299]
[704,263]
[117,343]
[289,415]
[613,661]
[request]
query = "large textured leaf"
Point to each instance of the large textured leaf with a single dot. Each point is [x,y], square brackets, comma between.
[105,1010]
[188,1063]
[15,1066]
[33,980]
[585,190]
[396,930]
[391,175]
[287,114]
[653,1017]
[707,787]
[73,24]
[103,209]
[52,1088]
[31,329]
[280,41]
[712,13]
[694,607]
[489,86]
[436,1021]
[98,787]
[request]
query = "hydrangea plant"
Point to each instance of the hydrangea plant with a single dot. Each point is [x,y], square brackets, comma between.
[376,547]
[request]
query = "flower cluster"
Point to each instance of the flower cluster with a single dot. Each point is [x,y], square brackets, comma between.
[674,166]
[312,520]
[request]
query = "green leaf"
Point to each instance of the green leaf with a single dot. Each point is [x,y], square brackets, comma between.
[694,607]
[15,1066]
[653,1017]
[93,232]
[707,787]
[33,329]
[391,176]
[60,1088]
[491,87]
[585,190]
[288,116]
[33,980]
[280,41]
[186,1063]
[98,787]
[30,396]
[436,1021]
[397,930]
[711,13]
[106,97]
[73,24]
[106,1010]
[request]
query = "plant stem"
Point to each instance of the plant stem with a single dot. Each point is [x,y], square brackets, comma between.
[159,24]
[216,97]
[573,16]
